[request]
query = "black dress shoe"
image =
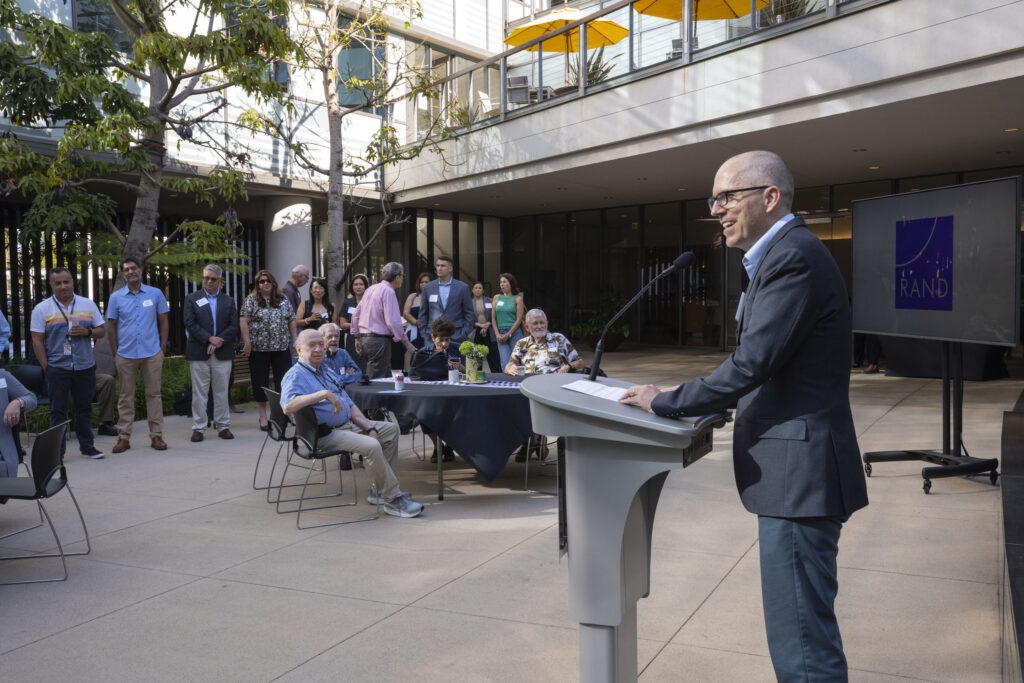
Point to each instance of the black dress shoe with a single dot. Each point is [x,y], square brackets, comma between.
[197,435]
[449,454]
[225,434]
[106,429]
[265,428]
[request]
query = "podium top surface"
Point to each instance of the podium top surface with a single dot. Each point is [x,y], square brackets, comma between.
[548,390]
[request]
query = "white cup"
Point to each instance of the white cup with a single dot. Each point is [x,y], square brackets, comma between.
[453,376]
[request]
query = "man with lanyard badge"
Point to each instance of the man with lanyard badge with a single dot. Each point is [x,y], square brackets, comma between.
[63,328]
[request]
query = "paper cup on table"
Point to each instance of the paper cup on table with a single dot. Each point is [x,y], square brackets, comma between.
[453,376]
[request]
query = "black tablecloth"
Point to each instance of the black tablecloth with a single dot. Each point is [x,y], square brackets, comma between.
[483,424]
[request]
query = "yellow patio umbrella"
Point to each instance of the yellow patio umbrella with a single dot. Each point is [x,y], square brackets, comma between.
[703,10]
[600,32]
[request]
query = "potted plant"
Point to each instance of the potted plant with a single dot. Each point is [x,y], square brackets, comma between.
[591,322]
[475,355]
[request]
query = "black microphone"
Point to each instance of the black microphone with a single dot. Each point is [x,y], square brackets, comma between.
[684,260]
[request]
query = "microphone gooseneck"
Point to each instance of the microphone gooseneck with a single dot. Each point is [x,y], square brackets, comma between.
[684,260]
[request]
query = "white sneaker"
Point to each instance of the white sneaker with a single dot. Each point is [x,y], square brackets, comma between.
[403,507]
[375,499]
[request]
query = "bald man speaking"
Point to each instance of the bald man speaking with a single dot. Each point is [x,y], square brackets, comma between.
[795,453]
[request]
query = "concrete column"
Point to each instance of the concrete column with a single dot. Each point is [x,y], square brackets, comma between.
[289,236]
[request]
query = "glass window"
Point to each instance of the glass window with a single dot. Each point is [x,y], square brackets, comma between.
[469,249]
[378,252]
[550,282]
[443,244]
[660,309]
[778,12]
[492,253]
[96,16]
[927,182]
[585,236]
[362,60]
[422,243]
[520,256]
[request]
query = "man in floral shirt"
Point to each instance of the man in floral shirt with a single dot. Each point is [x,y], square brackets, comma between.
[542,351]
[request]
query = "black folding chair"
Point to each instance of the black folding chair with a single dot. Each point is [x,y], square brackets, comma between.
[306,445]
[47,463]
[280,430]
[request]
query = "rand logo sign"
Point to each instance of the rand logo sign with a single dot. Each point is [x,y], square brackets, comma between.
[924,264]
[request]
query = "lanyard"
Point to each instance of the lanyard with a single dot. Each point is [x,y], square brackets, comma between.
[321,376]
[61,311]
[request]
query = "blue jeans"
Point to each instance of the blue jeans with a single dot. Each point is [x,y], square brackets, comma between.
[505,347]
[798,588]
[80,384]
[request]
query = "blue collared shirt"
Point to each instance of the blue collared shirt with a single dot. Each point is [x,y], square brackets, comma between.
[340,362]
[444,290]
[213,308]
[753,256]
[136,313]
[5,332]
[302,379]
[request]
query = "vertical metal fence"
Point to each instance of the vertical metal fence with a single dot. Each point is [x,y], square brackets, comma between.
[27,263]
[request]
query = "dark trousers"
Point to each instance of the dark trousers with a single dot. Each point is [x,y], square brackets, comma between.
[376,352]
[798,588]
[260,364]
[80,384]
[866,347]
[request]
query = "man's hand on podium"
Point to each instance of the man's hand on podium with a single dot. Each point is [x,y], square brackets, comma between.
[640,396]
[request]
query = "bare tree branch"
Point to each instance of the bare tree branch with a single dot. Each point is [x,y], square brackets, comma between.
[117,233]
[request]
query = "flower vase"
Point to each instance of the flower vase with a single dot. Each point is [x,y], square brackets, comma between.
[473,372]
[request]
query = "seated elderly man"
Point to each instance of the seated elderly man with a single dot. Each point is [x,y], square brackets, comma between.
[312,382]
[542,351]
[338,357]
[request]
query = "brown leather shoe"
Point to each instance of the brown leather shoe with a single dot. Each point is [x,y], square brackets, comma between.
[121,446]
[158,443]
[197,436]
[225,434]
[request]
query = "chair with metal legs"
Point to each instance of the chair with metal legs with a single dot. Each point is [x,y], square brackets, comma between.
[280,430]
[44,482]
[539,443]
[306,445]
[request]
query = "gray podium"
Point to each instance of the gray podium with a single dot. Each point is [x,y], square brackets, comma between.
[616,460]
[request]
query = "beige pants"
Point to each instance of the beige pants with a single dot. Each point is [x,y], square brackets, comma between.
[152,370]
[378,456]
[205,373]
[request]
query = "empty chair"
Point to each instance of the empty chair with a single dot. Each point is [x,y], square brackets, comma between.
[518,90]
[47,464]
[306,445]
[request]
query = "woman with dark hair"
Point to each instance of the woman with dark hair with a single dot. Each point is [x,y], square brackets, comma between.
[358,285]
[268,330]
[317,310]
[507,313]
[411,310]
[483,330]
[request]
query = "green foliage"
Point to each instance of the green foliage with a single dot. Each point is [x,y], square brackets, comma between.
[597,68]
[83,90]
[471,350]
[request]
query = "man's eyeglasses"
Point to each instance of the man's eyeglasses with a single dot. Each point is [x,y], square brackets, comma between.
[724,199]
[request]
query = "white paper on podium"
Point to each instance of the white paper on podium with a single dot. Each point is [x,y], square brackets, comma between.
[595,389]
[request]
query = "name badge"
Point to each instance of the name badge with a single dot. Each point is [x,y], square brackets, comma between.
[147,303]
[202,302]
[351,310]
[487,304]
[3,383]
[67,347]
[500,304]
[433,298]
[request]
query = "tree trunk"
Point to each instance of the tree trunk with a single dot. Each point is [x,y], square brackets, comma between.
[147,204]
[336,256]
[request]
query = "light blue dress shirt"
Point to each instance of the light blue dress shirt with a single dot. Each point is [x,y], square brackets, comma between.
[753,256]
[136,313]
[301,380]
[5,332]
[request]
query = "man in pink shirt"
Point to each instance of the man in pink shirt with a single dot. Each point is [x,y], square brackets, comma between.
[377,321]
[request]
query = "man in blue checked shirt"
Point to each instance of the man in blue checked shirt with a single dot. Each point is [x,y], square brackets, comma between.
[312,382]
[337,357]
[137,322]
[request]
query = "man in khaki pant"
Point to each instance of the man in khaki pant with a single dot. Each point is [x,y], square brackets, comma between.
[137,330]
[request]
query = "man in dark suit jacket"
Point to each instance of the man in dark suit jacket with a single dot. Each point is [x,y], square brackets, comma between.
[211,319]
[795,452]
[446,297]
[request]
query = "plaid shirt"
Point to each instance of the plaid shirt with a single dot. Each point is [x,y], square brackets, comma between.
[544,356]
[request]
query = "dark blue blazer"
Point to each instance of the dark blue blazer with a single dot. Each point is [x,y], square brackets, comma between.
[795,450]
[459,310]
[199,324]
